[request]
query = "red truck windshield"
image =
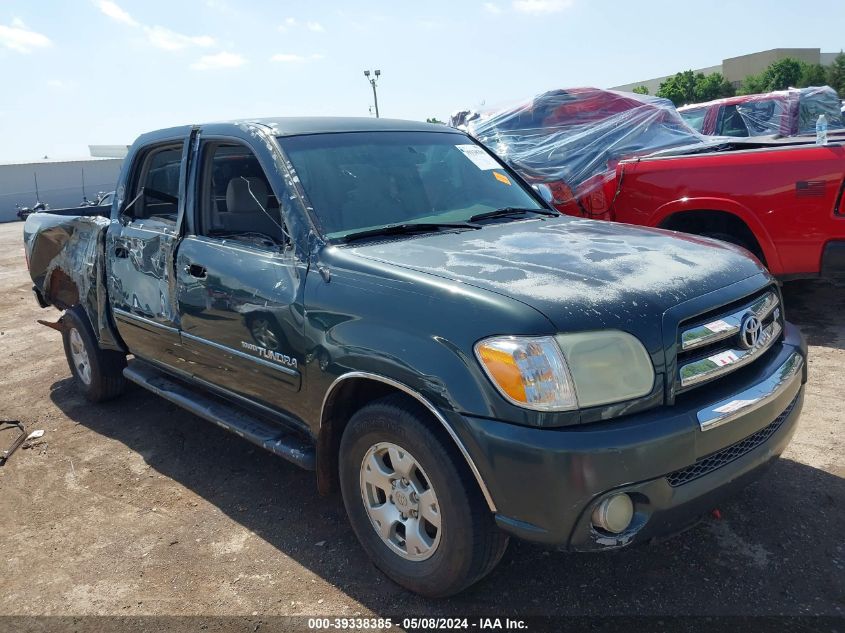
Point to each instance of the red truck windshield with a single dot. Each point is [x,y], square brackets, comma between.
[365,180]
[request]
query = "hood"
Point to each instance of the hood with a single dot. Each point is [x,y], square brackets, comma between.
[581,274]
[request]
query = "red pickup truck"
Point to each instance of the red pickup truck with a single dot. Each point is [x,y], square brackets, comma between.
[631,158]
[784,112]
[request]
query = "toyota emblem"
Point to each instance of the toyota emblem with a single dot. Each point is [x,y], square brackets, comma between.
[750,331]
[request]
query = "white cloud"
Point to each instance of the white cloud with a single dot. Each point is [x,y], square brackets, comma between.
[288,24]
[495,9]
[293,58]
[219,60]
[116,13]
[18,37]
[168,40]
[158,36]
[315,26]
[542,6]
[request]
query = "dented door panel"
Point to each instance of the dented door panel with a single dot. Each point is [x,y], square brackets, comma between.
[241,318]
[140,283]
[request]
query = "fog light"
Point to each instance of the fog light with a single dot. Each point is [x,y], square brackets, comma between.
[614,514]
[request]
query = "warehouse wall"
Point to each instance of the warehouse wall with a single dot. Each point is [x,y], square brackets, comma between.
[59,183]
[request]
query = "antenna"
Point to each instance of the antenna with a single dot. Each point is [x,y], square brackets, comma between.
[37,198]
[84,197]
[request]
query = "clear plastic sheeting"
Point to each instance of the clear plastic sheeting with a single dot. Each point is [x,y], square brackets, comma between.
[784,112]
[573,139]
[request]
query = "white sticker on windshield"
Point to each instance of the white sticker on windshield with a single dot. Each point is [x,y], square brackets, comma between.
[479,157]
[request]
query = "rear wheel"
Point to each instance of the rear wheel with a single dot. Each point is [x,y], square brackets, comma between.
[412,502]
[98,372]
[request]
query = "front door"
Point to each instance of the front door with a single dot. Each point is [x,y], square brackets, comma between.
[139,253]
[239,286]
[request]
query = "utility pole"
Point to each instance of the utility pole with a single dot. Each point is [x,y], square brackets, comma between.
[373,83]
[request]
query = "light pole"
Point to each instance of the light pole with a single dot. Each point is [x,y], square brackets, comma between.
[373,83]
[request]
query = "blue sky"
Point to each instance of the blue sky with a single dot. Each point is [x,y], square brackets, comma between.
[102,72]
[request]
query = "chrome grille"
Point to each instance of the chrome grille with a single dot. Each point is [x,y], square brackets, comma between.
[721,343]
[714,461]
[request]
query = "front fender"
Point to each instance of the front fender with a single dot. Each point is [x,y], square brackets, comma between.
[433,366]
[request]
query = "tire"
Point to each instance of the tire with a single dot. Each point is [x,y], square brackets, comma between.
[465,545]
[98,372]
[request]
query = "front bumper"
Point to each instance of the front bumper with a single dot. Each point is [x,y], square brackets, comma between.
[675,462]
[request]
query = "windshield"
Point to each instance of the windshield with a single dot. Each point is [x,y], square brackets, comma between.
[365,180]
[694,118]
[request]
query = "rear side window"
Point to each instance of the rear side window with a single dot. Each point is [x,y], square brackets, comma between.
[157,191]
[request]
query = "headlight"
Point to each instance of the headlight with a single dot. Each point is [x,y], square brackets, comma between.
[530,372]
[567,371]
[607,366]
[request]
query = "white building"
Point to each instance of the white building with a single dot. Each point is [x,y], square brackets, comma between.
[59,183]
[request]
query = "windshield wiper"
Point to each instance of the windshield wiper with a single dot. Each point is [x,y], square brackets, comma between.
[510,211]
[407,228]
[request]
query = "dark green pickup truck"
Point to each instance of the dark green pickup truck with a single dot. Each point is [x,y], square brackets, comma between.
[386,303]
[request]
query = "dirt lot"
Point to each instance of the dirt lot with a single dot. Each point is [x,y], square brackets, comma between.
[136,507]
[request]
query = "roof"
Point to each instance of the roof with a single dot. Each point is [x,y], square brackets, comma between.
[292,126]
[289,126]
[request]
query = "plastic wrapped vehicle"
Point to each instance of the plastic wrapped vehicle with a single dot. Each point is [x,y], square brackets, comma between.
[573,139]
[785,112]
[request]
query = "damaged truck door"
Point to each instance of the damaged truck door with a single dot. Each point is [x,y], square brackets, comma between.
[239,284]
[140,248]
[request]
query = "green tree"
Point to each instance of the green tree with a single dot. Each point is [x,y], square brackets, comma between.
[713,86]
[434,119]
[690,87]
[783,74]
[641,90]
[753,84]
[836,75]
[679,89]
[812,75]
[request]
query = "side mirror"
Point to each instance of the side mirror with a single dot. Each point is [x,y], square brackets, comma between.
[545,192]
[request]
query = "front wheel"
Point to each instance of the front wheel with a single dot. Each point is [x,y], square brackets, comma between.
[412,502]
[98,372]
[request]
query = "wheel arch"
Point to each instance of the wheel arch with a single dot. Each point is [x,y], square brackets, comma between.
[676,211]
[353,390]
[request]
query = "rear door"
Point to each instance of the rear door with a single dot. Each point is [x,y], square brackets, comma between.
[239,285]
[140,248]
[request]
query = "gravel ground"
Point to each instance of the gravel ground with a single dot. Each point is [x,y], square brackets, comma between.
[136,507]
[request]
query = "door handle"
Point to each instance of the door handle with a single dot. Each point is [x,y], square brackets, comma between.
[195,270]
[121,251]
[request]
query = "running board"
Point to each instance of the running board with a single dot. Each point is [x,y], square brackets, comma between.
[268,436]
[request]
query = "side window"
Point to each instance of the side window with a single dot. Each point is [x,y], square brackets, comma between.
[157,192]
[732,123]
[236,200]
